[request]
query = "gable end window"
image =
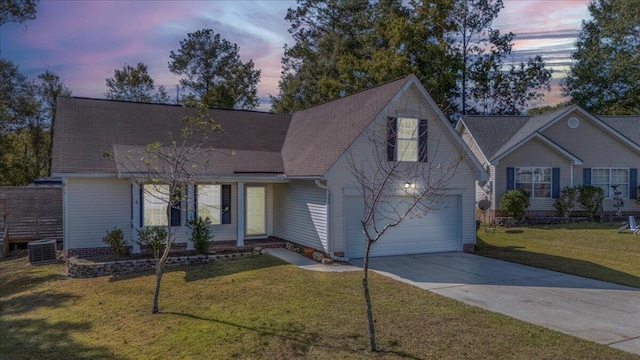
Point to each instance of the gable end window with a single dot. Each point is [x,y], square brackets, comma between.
[154,206]
[406,139]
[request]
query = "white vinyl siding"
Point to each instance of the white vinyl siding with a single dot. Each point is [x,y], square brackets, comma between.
[442,146]
[300,213]
[94,206]
[486,191]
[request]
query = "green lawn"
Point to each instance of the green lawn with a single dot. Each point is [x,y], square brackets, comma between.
[591,250]
[255,308]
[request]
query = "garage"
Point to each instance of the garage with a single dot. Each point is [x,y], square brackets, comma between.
[437,231]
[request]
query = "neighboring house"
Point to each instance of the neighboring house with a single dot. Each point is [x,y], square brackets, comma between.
[543,154]
[282,175]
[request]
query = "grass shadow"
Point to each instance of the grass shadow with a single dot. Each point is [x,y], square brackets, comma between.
[17,275]
[562,264]
[514,231]
[296,333]
[24,303]
[23,290]
[40,339]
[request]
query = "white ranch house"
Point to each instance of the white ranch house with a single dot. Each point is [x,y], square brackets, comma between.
[280,175]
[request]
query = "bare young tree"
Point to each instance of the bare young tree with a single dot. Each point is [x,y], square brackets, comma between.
[168,168]
[400,180]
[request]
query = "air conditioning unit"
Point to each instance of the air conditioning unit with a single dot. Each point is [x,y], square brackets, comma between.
[42,252]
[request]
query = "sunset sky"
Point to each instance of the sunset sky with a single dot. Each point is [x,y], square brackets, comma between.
[84,41]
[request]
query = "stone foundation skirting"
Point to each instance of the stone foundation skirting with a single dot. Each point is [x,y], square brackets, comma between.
[81,268]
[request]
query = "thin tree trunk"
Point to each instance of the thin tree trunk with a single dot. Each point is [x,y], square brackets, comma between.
[161,261]
[367,298]
[159,271]
[156,293]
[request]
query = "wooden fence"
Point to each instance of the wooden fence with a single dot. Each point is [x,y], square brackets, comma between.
[29,213]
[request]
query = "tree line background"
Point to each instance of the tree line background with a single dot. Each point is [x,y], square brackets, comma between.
[341,47]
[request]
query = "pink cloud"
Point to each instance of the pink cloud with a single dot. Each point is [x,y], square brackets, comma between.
[542,15]
[83,41]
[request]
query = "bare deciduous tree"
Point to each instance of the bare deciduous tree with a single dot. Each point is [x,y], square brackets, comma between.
[398,181]
[169,168]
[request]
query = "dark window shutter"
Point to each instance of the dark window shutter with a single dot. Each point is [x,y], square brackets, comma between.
[226,204]
[176,210]
[422,141]
[510,179]
[586,176]
[633,183]
[391,138]
[555,183]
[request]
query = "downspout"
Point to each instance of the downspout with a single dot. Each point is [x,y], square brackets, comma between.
[329,242]
[65,217]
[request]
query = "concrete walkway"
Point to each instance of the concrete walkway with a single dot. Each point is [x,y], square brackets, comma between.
[594,310]
[306,263]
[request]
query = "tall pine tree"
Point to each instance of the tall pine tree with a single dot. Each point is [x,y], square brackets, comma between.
[605,75]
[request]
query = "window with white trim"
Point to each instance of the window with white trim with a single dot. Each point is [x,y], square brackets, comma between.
[606,177]
[155,204]
[407,146]
[535,180]
[209,202]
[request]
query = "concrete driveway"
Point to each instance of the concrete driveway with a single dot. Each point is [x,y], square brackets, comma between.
[593,310]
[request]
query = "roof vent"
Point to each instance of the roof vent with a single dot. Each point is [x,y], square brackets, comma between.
[42,252]
[573,122]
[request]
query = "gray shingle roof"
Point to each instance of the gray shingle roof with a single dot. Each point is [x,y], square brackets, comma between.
[493,132]
[206,163]
[86,128]
[318,136]
[306,143]
[627,125]
[497,134]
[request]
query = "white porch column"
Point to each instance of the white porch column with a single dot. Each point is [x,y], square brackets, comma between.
[571,167]
[241,214]
[135,217]
[190,215]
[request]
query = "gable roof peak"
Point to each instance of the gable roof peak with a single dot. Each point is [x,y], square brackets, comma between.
[329,102]
[319,135]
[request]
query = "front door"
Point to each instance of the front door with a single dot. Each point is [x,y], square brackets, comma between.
[256,210]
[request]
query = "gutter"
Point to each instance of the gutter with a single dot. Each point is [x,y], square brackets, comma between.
[329,242]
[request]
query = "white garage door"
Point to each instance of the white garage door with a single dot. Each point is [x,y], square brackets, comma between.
[437,231]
